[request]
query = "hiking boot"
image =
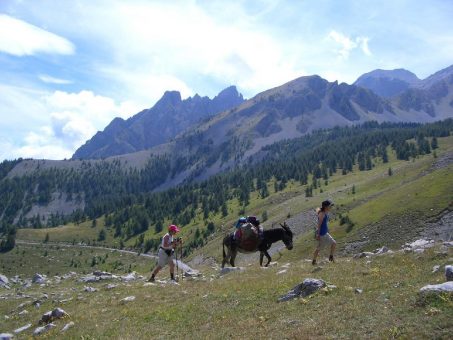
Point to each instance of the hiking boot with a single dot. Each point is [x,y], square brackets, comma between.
[331,258]
[151,279]
[313,262]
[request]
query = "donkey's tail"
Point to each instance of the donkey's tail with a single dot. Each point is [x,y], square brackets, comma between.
[223,248]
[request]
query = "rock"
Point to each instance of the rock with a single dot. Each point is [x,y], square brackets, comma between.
[192,273]
[419,250]
[307,287]
[3,280]
[448,244]
[332,287]
[23,328]
[39,279]
[89,289]
[110,286]
[129,277]
[89,279]
[43,329]
[59,313]
[5,336]
[101,273]
[381,250]
[46,317]
[67,326]
[282,271]
[363,254]
[127,299]
[446,287]
[419,244]
[358,291]
[228,270]
[435,269]
[449,272]
[24,312]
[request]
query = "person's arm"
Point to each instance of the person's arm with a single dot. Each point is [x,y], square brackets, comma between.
[167,243]
[320,219]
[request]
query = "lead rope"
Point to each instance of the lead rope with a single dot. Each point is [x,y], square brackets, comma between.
[177,267]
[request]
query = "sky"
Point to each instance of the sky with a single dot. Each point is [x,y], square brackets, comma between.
[67,68]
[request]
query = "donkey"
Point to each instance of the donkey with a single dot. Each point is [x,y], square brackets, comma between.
[269,237]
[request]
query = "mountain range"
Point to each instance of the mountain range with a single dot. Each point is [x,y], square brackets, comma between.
[157,125]
[181,141]
[295,108]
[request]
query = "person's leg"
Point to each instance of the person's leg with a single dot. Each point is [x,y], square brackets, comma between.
[315,255]
[333,245]
[172,268]
[154,273]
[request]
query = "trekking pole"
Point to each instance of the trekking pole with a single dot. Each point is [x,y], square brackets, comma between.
[180,258]
[176,257]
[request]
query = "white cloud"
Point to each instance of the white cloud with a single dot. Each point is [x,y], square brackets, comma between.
[20,38]
[347,44]
[71,119]
[52,80]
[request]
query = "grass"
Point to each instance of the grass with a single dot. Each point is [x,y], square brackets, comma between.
[244,305]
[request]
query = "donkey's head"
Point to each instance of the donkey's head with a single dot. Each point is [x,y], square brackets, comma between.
[287,236]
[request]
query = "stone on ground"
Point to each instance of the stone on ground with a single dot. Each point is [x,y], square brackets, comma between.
[3,280]
[23,328]
[449,272]
[358,291]
[446,287]
[435,269]
[43,329]
[127,299]
[89,289]
[228,270]
[58,313]
[307,287]
[130,277]
[6,336]
[67,326]
[39,278]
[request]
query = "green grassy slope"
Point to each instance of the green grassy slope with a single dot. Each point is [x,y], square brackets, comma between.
[415,192]
[244,305]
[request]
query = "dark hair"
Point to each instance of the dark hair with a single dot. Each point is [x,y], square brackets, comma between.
[325,204]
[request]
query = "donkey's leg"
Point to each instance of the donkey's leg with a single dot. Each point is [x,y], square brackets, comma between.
[261,258]
[233,257]
[226,257]
[269,259]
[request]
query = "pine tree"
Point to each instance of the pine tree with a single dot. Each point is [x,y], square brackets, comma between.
[390,172]
[434,144]
[353,189]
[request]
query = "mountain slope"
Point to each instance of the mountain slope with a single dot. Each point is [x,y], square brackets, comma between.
[168,117]
[388,83]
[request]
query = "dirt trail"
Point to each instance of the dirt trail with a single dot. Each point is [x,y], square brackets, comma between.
[181,265]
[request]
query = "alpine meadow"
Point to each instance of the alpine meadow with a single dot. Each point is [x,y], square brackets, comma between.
[305,192]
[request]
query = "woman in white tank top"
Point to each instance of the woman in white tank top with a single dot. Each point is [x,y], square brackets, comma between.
[165,254]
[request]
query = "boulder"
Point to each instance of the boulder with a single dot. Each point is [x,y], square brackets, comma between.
[3,280]
[6,336]
[418,244]
[89,289]
[363,255]
[59,313]
[39,278]
[89,279]
[129,277]
[101,273]
[228,270]
[446,287]
[67,326]
[46,317]
[449,272]
[23,328]
[43,329]
[127,299]
[306,288]
[381,250]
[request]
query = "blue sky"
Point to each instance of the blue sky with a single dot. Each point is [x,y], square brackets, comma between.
[69,67]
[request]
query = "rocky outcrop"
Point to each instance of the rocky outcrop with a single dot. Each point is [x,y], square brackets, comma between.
[306,288]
